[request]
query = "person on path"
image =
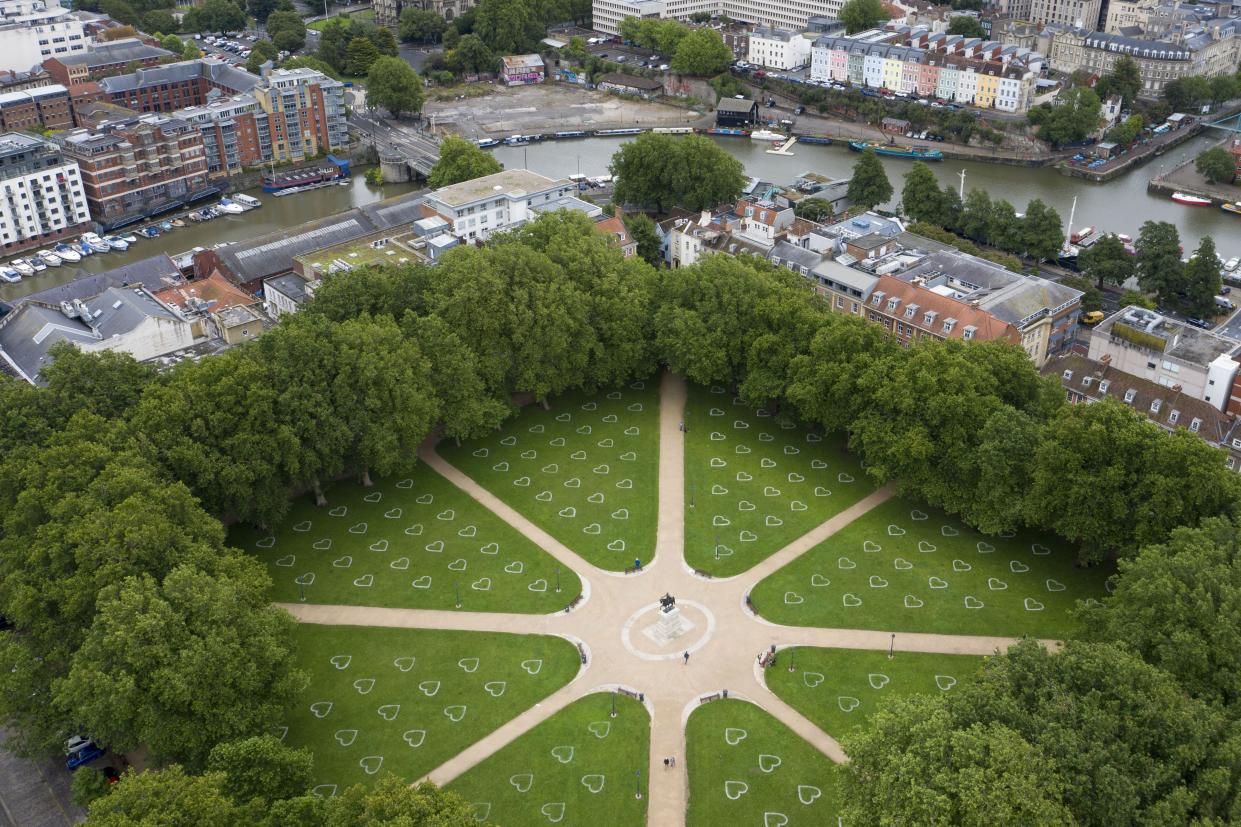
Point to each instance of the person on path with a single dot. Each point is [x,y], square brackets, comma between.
[686,656]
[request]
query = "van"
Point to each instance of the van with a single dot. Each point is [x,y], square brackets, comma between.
[1093,317]
[1224,303]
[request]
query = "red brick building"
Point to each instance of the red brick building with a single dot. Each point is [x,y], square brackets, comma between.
[104,59]
[177,85]
[45,107]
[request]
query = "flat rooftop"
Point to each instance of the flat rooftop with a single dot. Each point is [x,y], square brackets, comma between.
[506,182]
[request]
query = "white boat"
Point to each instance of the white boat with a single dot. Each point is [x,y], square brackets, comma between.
[247,201]
[766,135]
[10,275]
[1190,200]
[116,243]
[129,238]
[37,263]
[23,267]
[228,207]
[67,253]
[50,258]
[96,243]
[1232,264]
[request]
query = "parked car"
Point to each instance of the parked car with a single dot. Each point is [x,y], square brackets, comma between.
[1196,322]
[83,756]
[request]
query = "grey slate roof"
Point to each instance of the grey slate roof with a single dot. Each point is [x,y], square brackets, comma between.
[29,332]
[218,72]
[734,105]
[150,273]
[291,285]
[791,255]
[118,51]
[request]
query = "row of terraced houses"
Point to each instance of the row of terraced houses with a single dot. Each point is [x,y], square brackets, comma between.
[914,61]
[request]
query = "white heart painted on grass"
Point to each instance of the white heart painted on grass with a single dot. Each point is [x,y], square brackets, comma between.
[364,685]
[895,530]
[468,531]
[850,600]
[563,753]
[593,528]
[531,454]
[455,712]
[415,737]
[594,782]
[303,526]
[599,729]
[515,567]
[365,581]
[522,781]
[339,511]
[539,585]
[405,663]
[343,562]
[490,548]
[620,514]
[808,794]
[447,515]
[322,545]
[358,528]
[945,682]
[845,563]
[286,560]
[961,565]
[320,709]
[877,582]
[734,736]
[379,545]
[768,762]
[798,505]
[596,498]
[984,547]
[1040,549]
[554,810]
[414,530]
[1032,605]
[845,478]
[793,599]
[341,661]
[948,531]
[937,582]
[1055,586]
[305,579]
[459,564]
[972,602]
[482,584]
[572,482]
[405,483]
[877,680]
[742,476]
[371,763]
[817,580]
[1018,567]
[536,429]
[745,505]
[772,522]
[847,703]
[425,499]
[812,679]
[901,564]
[435,547]
[346,737]
[735,789]
[616,545]
[324,790]
[423,582]
[532,666]
[925,547]
[481,452]
[774,819]
[871,547]
[820,491]
[389,711]
[495,688]
[996,585]
[543,496]
[912,602]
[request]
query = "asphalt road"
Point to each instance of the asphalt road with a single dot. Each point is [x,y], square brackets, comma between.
[35,793]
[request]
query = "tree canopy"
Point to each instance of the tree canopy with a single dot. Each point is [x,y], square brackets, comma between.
[393,84]
[701,53]
[1217,165]
[461,160]
[859,15]
[660,171]
[869,185]
[1072,118]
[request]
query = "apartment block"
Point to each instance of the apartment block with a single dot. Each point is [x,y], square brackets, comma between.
[175,85]
[914,61]
[476,209]
[31,31]
[1169,353]
[44,107]
[791,15]
[388,12]
[41,194]
[1079,13]
[290,115]
[137,167]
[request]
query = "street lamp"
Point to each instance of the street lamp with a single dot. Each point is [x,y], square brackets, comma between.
[456,590]
[557,579]
[637,784]
[792,652]
[892,647]
[613,703]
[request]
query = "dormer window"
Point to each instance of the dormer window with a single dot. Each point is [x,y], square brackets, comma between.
[1068,376]
[1087,381]
[968,332]
[929,318]
[1156,405]
[1195,424]
[1129,396]
[949,324]
[893,302]
[1104,385]
[877,298]
[1174,416]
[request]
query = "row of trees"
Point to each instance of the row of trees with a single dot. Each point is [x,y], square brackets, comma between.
[350,45]
[135,622]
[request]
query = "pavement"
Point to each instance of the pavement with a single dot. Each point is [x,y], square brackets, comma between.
[610,625]
[35,793]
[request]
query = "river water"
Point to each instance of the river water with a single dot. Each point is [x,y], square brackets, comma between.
[1120,206]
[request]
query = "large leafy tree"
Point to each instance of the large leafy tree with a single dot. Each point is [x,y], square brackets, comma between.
[966,26]
[286,30]
[659,171]
[701,53]
[826,382]
[1187,93]
[1217,165]
[215,16]
[1106,262]
[261,769]
[393,84]
[1042,231]
[1090,736]
[859,15]
[1073,117]
[1125,80]
[976,216]
[1159,267]
[421,25]
[1201,280]
[461,160]
[168,797]
[869,185]
[921,198]
[183,663]
[1178,606]
[643,230]
[359,56]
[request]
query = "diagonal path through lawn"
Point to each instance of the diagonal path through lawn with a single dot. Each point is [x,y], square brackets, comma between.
[724,653]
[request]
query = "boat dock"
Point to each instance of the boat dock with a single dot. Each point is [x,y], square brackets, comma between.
[784,148]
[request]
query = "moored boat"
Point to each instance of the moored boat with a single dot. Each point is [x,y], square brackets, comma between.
[10,275]
[178,222]
[165,226]
[67,252]
[96,243]
[84,248]
[274,182]
[37,263]
[247,201]
[918,153]
[813,139]
[766,135]
[50,258]
[116,243]
[1190,200]
[228,207]
[129,237]
[484,143]
[1228,206]
[149,232]
[22,266]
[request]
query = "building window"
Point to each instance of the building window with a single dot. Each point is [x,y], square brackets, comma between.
[1174,416]
[1156,405]
[1104,385]
[1129,395]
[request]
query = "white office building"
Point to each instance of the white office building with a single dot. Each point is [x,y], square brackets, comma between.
[792,15]
[778,49]
[31,31]
[41,194]
[476,209]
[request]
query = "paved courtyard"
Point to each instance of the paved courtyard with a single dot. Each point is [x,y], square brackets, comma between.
[617,625]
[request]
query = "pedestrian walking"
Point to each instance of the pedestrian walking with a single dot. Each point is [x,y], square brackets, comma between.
[666,765]
[686,656]
[672,762]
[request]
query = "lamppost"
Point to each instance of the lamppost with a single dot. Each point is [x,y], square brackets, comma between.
[637,784]
[792,652]
[557,579]
[613,703]
[456,591]
[892,647]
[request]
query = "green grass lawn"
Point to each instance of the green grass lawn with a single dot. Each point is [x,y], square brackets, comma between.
[909,568]
[747,768]
[413,543]
[754,485]
[364,16]
[406,700]
[586,471]
[575,767]
[839,689]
